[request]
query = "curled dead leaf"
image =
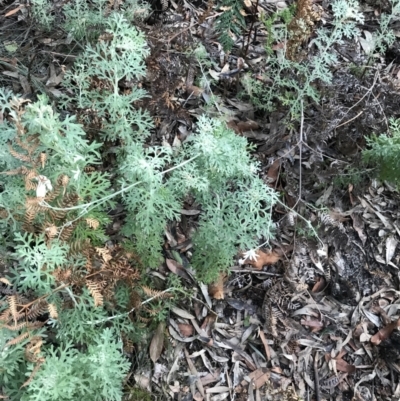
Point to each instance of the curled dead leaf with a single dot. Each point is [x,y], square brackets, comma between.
[5,281]
[242,126]
[177,268]
[341,364]
[315,325]
[384,332]
[273,172]
[216,290]
[263,259]
[319,285]
[186,330]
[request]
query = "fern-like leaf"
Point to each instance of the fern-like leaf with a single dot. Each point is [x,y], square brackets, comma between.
[94,290]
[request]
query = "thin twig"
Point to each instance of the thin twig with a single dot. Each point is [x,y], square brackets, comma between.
[316,378]
[351,119]
[251,29]
[300,145]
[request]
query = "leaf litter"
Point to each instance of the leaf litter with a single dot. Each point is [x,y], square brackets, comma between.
[312,315]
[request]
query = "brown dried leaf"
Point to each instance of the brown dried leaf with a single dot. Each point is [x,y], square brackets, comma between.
[319,285]
[384,332]
[263,259]
[358,225]
[216,290]
[273,171]
[244,126]
[316,325]
[210,377]
[341,364]
[157,342]
[259,377]
[266,346]
[182,313]
[5,281]
[186,330]
[176,268]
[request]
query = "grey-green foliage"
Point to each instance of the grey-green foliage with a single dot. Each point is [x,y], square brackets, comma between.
[235,202]
[68,374]
[83,20]
[120,56]
[33,260]
[13,362]
[37,262]
[384,152]
[68,152]
[385,36]
[213,166]
[42,13]
[293,83]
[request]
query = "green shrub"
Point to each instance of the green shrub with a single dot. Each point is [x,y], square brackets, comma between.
[54,211]
[83,20]
[214,166]
[384,153]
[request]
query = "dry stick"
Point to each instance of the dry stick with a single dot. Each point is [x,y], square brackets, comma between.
[349,121]
[26,306]
[316,378]
[251,28]
[383,111]
[300,145]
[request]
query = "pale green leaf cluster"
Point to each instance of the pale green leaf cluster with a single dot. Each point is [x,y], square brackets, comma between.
[384,152]
[293,83]
[83,20]
[385,37]
[214,163]
[120,55]
[94,374]
[37,262]
[42,13]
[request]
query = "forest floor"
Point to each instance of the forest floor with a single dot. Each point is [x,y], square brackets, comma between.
[316,315]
